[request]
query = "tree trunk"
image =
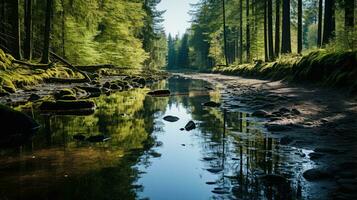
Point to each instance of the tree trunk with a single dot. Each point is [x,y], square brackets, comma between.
[224,31]
[349,14]
[270,30]
[2,20]
[63,30]
[15,22]
[319,25]
[266,55]
[286,36]
[28,30]
[241,31]
[248,30]
[46,41]
[277,28]
[299,34]
[329,21]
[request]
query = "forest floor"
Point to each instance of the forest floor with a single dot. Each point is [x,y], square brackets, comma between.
[323,120]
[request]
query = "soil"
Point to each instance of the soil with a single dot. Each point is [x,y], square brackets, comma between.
[304,116]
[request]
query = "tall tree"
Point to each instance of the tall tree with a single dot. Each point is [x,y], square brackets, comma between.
[349,13]
[248,30]
[63,24]
[224,31]
[15,22]
[277,27]
[171,57]
[183,53]
[266,54]
[286,36]
[299,29]
[319,24]
[2,21]
[47,33]
[241,31]
[270,30]
[329,21]
[28,30]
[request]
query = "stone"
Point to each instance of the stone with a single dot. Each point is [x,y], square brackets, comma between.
[273,179]
[15,126]
[215,170]
[211,104]
[190,126]
[159,93]
[316,174]
[285,140]
[98,138]
[295,111]
[260,113]
[79,137]
[277,127]
[34,97]
[170,118]
[284,110]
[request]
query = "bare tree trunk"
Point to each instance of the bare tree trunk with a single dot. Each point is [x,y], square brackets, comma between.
[248,30]
[16,44]
[63,30]
[277,28]
[319,25]
[266,55]
[28,30]
[46,44]
[286,36]
[299,34]
[329,21]
[224,30]
[2,20]
[349,14]
[270,30]
[241,31]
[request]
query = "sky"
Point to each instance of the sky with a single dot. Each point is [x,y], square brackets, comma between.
[176,16]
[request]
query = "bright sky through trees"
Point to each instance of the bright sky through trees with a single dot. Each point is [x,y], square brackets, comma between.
[176,16]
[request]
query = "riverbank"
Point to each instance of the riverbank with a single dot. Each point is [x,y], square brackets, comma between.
[319,119]
[333,69]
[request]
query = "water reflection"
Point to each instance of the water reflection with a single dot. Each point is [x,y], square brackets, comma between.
[150,158]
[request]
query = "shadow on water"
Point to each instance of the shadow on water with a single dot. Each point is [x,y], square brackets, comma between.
[227,157]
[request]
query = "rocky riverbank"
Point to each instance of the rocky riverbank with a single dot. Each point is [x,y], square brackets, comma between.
[318,119]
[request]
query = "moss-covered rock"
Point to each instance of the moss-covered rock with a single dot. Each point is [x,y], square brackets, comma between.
[15,126]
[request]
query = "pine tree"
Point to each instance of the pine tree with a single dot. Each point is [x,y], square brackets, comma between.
[286,37]
[28,29]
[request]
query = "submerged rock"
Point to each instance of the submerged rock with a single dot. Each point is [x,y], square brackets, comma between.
[79,137]
[98,138]
[15,126]
[159,93]
[260,113]
[190,126]
[215,170]
[316,174]
[67,105]
[273,179]
[170,118]
[211,104]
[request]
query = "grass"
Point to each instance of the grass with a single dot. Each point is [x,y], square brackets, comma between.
[337,69]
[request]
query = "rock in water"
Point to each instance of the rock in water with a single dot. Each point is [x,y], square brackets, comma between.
[260,113]
[34,97]
[170,118]
[159,93]
[15,126]
[315,174]
[190,126]
[211,104]
[98,138]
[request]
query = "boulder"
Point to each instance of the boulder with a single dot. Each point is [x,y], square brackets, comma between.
[211,104]
[190,126]
[316,174]
[260,113]
[159,93]
[34,97]
[67,105]
[15,126]
[170,118]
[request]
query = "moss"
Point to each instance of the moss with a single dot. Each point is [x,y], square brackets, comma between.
[327,68]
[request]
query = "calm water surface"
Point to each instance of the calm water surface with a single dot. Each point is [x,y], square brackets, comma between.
[149,158]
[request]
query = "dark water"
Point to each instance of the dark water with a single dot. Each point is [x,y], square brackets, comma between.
[149,158]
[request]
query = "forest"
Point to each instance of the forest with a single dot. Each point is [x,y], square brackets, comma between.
[248,99]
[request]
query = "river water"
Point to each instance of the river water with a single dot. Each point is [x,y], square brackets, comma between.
[226,157]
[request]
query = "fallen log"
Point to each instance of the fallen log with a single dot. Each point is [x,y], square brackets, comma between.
[71,66]
[33,65]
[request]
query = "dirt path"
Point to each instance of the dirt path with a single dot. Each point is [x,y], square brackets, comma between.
[318,119]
